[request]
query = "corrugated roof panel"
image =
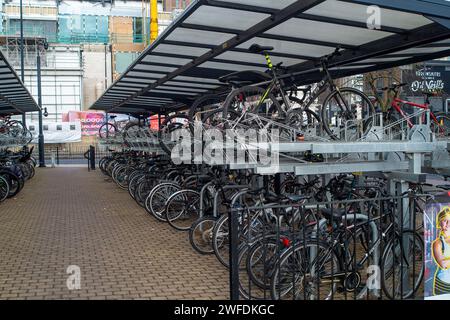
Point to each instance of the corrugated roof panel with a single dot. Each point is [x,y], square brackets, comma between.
[211,38]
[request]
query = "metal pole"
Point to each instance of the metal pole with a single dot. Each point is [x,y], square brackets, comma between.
[22,58]
[159,123]
[41,131]
[106,66]
[92,157]
[111,57]
[233,227]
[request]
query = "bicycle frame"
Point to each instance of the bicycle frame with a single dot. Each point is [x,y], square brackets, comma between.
[326,82]
[397,104]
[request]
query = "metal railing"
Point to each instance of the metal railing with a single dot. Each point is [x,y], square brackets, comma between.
[369,248]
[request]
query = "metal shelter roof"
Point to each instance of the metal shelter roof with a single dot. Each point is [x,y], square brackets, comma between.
[14,97]
[211,39]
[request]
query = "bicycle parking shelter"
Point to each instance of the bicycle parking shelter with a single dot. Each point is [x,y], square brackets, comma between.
[14,97]
[211,39]
[185,62]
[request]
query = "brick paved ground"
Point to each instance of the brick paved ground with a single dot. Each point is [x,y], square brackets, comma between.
[67,216]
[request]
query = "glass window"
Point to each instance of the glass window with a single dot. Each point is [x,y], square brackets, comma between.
[137,30]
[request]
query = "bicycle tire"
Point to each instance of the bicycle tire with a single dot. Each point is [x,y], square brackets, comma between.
[284,259]
[324,110]
[4,189]
[103,128]
[156,207]
[243,91]
[182,209]
[201,240]
[220,238]
[418,242]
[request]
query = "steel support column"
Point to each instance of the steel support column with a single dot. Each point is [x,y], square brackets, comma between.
[22,58]
[41,131]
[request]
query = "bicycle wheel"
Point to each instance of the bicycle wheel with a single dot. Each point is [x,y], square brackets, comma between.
[135,179]
[31,169]
[155,203]
[134,133]
[108,130]
[402,265]
[347,109]
[221,241]
[182,209]
[201,233]
[4,189]
[248,99]
[120,177]
[261,259]
[305,120]
[204,104]
[143,190]
[300,273]
[14,181]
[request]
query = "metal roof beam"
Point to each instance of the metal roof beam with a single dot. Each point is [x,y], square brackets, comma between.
[279,54]
[306,41]
[240,6]
[209,28]
[10,103]
[188,44]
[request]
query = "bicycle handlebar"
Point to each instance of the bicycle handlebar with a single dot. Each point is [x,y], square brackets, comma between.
[335,53]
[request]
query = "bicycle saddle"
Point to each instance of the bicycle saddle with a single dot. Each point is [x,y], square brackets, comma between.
[256,48]
[249,76]
[333,214]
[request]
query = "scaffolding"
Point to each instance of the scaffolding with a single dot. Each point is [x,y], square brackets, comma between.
[10,46]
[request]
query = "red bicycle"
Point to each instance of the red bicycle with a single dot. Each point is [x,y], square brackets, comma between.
[440,122]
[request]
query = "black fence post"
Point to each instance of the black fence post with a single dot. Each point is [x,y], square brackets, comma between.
[233,226]
[57,155]
[92,157]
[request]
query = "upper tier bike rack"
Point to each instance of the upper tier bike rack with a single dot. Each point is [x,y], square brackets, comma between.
[211,39]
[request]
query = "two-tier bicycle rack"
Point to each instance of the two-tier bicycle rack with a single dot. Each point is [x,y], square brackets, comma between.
[200,46]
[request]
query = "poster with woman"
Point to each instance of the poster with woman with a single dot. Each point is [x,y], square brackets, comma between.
[437,249]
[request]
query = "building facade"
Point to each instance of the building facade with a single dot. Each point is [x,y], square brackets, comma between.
[78,34]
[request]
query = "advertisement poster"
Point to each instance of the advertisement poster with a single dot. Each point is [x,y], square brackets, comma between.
[428,78]
[437,249]
[57,132]
[90,121]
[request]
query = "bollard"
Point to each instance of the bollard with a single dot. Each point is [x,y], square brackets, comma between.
[53,159]
[92,157]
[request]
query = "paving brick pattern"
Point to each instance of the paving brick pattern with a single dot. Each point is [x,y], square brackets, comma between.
[68,216]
